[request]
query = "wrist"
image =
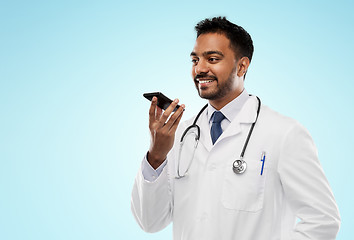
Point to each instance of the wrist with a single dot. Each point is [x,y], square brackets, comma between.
[155,160]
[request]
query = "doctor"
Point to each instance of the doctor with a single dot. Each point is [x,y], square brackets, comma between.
[283,192]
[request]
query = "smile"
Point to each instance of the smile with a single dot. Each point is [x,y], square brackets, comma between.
[204,81]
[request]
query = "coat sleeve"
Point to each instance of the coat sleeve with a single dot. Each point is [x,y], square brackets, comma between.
[306,188]
[151,202]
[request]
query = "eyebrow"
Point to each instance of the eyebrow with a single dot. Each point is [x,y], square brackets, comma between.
[208,53]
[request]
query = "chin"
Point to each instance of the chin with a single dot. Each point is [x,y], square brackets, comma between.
[208,95]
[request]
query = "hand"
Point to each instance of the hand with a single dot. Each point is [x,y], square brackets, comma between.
[162,132]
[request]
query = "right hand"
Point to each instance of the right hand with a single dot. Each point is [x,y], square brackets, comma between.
[162,132]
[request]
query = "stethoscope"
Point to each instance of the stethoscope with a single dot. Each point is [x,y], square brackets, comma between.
[239,166]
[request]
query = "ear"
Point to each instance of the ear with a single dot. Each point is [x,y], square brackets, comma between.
[242,66]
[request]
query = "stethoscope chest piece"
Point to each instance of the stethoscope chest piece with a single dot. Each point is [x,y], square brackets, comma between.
[239,166]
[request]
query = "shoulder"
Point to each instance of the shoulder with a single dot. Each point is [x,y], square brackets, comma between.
[268,114]
[200,115]
[183,125]
[278,123]
[189,122]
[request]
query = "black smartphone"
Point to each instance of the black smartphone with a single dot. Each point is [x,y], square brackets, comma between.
[162,101]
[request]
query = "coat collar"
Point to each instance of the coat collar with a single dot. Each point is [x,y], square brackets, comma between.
[230,110]
[247,115]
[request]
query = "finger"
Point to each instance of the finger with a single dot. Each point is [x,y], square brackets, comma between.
[168,112]
[152,110]
[174,117]
[158,112]
[175,124]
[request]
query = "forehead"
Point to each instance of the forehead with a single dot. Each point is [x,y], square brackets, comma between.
[212,42]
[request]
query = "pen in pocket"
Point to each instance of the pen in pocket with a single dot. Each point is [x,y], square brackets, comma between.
[263,160]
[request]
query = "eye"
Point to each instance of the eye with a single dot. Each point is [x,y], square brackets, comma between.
[194,61]
[213,59]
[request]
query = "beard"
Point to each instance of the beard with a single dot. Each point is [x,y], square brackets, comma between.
[222,89]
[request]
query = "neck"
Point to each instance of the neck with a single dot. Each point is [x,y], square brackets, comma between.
[222,102]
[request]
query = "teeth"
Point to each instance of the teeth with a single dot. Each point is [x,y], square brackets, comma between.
[205,81]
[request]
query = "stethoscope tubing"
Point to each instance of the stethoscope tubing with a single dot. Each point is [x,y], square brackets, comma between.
[240,163]
[251,129]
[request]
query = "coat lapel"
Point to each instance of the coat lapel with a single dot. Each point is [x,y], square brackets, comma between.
[205,137]
[247,115]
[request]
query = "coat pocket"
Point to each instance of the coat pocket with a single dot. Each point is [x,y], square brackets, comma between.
[244,192]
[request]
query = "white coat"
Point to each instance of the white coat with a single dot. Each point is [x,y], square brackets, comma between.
[290,200]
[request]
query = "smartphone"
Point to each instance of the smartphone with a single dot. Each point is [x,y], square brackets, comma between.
[162,101]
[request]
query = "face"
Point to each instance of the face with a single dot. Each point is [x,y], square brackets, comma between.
[217,75]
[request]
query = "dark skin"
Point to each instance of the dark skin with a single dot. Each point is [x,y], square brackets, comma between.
[218,76]
[162,135]
[213,59]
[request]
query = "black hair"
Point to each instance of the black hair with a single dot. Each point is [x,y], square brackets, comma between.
[241,42]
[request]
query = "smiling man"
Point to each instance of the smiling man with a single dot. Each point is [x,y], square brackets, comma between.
[237,170]
[217,72]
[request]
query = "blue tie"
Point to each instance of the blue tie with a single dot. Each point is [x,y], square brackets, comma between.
[216,130]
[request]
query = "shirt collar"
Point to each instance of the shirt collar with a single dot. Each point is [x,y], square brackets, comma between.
[231,109]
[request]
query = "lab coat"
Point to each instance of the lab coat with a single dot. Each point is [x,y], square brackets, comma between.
[291,199]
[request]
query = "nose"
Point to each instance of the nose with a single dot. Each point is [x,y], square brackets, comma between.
[201,67]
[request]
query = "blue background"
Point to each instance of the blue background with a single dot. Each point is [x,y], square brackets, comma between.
[74,124]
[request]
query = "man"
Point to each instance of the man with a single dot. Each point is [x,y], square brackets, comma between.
[279,192]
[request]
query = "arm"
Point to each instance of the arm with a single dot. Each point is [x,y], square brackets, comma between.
[151,201]
[306,187]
